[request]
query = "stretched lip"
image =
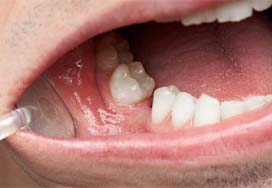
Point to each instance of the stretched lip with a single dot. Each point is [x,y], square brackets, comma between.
[200,147]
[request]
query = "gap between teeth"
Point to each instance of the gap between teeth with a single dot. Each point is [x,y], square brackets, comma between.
[228,12]
[130,84]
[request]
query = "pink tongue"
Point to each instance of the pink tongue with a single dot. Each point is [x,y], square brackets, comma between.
[228,61]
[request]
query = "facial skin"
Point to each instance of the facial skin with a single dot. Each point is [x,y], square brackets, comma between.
[28,30]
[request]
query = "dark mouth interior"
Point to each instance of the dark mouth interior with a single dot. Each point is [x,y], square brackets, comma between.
[206,58]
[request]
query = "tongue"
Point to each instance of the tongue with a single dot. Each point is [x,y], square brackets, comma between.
[227,61]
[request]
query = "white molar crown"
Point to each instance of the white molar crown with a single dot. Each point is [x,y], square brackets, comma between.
[130,84]
[228,12]
[112,50]
[206,110]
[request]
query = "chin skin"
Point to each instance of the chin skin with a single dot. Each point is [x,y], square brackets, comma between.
[233,170]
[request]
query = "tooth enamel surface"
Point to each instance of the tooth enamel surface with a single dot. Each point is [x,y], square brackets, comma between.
[146,82]
[112,50]
[207,111]
[124,88]
[260,5]
[125,57]
[183,109]
[124,54]
[129,83]
[106,58]
[253,103]
[198,18]
[163,101]
[231,108]
[234,11]
[268,98]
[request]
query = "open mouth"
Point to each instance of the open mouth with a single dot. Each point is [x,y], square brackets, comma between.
[154,103]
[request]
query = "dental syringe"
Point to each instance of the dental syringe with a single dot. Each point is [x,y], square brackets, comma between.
[15,120]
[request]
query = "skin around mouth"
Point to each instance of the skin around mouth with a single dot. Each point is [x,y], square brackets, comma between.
[225,156]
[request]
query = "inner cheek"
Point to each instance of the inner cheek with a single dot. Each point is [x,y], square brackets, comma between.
[70,103]
[73,76]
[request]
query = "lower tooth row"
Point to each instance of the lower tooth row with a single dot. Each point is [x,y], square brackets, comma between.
[206,110]
[130,84]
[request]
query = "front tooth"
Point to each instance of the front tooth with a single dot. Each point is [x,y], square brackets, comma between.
[124,88]
[163,101]
[146,82]
[231,108]
[260,5]
[183,109]
[207,111]
[255,102]
[234,11]
[207,16]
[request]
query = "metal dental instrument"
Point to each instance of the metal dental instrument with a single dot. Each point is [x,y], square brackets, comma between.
[15,120]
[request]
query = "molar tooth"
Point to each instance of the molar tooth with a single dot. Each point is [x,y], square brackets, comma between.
[107,58]
[207,111]
[112,50]
[163,101]
[124,88]
[207,16]
[234,11]
[146,82]
[183,109]
[130,84]
[255,102]
[106,53]
[108,39]
[122,45]
[260,5]
[124,54]
[231,108]
[125,57]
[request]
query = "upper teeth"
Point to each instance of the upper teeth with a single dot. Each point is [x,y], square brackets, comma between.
[232,11]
